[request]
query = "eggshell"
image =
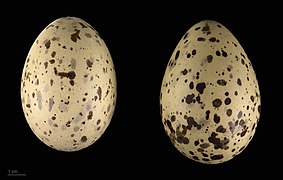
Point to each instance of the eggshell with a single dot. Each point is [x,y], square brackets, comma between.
[68,85]
[210,98]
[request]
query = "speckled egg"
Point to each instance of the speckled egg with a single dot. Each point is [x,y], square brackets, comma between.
[68,85]
[210,98]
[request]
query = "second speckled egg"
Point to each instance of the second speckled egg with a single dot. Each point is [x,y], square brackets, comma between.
[210,99]
[68,85]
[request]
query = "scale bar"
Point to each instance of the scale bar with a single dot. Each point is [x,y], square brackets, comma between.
[16,174]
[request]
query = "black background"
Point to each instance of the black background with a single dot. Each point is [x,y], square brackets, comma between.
[141,38]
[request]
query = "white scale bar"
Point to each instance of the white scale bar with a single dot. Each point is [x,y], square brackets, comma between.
[16,174]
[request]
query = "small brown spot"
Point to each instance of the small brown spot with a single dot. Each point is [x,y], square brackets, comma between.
[227,101]
[47,44]
[177,54]
[212,39]
[99,92]
[45,65]
[89,63]
[239,82]
[207,114]
[75,35]
[191,85]
[197,28]
[52,61]
[200,87]
[83,139]
[51,103]
[221,82]
[90,114]
[204,145]
[173,118]
[229,112]
[224,53]
[220,129]
[236,93]
[240,114]
[244,132]
[217,53]
[206,29]
[190,98]
[200,39]
[216,157]
[209,58]
[72,82]
[194,52]
[195,158]
[185,140]
[53,54]
[216,118]
[68,124]
[184,72]
[216,103]
[252,98]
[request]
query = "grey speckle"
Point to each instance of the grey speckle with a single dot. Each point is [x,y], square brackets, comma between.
[73,63]
[99,92]
[77,119]
[63,107]
[39,99]
[51,103]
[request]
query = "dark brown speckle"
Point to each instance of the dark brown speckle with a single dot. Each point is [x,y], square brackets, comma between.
[216,118]
[216,103]
[209,58]
[200,87]
[89,63]
[190,98]
[90,114]
[75,35]
[47,44]
[221,82]
[239,82]
[83,139]
[216,157]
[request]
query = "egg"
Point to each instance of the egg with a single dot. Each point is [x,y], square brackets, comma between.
[209,98]
[68,85]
